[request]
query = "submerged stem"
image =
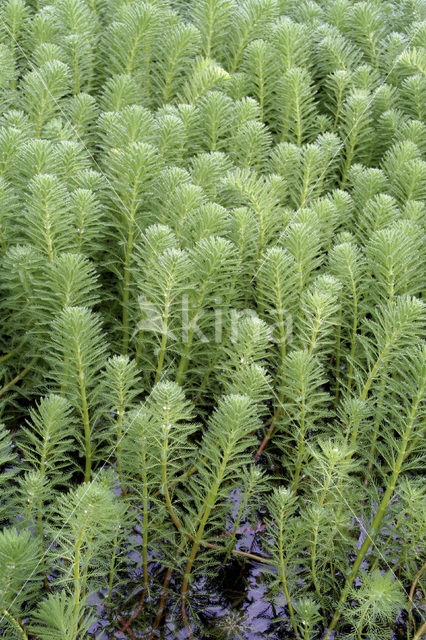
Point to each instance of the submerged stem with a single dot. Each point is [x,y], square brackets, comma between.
[14,622]
[18,377]
[376,524]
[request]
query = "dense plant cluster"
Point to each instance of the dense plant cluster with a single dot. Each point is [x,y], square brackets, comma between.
[212,232]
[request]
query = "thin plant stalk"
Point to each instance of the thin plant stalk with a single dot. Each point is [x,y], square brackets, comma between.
[14,622]
[377,521]
[112,566]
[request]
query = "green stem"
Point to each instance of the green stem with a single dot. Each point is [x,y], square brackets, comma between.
[86,425]
[375,527]
[145,507]
[348,162]
[381,360]
[353,337]
[315,533]
[184,361]
[39,527]
[384,546]
[338,109]
[338,345]
[163,337]
[145,512]
[186,474]
[164,480]
[139,347]
[207,507]
[314,333]
[118,445]
[282,572]
[420,632]
[89,541]
[237,56]
[77,577]
[18,377]
[283,351]
[5,357]
[28,510]
[14,622]
[301,446]
[112,567]
[204,514]
[76,74]
[39,121]
[283,335]
[313,559]
[212,363]
[305,191]
[127,267]
[376,425]
[195,546]
[360,623]
[126,290]
[299,132]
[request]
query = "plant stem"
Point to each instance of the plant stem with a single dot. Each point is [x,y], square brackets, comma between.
[127,269]
[338,109]
[112,567]
[268,434]
[162,603]
[411,595]
[348,162]
[208,505]
[282,570]
[185,475]
[420,632]
[86,424]
[118,445]
[164,481]
[271,429]
[384,546]
[184,361]
[301,446]
[145,512]
[135,614]
[88,541]
[313,560]
[14,622]
[381,512]
[77,577]
[18,377]
[381,360]
[204,513]
[376,426]
[338,351]
[6,356]
[163,336]
[360,627]
[126,292]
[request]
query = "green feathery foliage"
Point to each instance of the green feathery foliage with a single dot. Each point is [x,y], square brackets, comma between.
[212,356]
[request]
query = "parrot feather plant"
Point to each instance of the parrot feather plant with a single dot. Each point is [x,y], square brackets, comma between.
[212,319]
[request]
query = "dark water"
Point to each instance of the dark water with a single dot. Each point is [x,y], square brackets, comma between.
[232,602]
[233,606]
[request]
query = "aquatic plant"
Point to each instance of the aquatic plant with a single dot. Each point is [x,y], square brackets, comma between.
[212,239]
